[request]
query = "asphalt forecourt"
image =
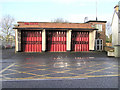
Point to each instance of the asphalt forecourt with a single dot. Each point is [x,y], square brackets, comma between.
[59,68]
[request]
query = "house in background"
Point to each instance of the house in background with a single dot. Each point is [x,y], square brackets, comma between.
[11,39]
[60,37]
[116,30]
[8,41]
[1,37]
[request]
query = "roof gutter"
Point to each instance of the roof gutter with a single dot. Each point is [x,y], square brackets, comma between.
[57,28]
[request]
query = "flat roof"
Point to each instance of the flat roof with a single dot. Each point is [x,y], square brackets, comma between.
[96,21]
[54,25]
[75,29]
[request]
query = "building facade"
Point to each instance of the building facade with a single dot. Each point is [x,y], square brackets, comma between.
[100,34]
[116,26]
[59,37]
[116,30]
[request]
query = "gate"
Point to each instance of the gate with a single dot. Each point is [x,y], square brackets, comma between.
[80,41]
[31,41]
[56,41]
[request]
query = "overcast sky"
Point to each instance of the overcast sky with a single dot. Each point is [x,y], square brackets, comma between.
[47,10]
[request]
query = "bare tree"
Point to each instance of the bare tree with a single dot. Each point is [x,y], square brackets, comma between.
[108,27]
[59,20]
[6,24]
[109,31]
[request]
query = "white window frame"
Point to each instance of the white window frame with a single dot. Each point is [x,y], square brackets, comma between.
[100,45]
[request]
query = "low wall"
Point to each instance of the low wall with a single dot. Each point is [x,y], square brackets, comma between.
[109,48]
[117,50]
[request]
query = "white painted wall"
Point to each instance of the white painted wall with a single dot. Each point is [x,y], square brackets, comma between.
[115,30]
[69,40]
[92,35]
[119,32]
[119,38]
[16,40]
[43,40]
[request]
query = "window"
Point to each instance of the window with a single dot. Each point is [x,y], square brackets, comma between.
[99,44]
[99,27]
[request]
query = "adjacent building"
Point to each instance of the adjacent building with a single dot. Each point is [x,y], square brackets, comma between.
[60,37]
[116,30]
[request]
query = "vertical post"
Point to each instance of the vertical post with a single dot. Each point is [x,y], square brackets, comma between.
[69,40]
[16,40]
[96,10]
[43,40]
[19,40]
[92,35]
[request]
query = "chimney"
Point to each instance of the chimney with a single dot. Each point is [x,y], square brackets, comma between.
[116,8]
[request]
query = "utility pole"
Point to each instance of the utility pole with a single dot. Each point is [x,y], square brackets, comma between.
[96,10]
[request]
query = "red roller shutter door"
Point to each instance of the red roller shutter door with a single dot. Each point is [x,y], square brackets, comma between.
[80,41]
[31,41]
[56,41]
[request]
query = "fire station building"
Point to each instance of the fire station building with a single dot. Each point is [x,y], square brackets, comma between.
[59,37]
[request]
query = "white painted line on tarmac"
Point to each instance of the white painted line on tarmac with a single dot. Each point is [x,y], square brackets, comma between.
[7,67]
